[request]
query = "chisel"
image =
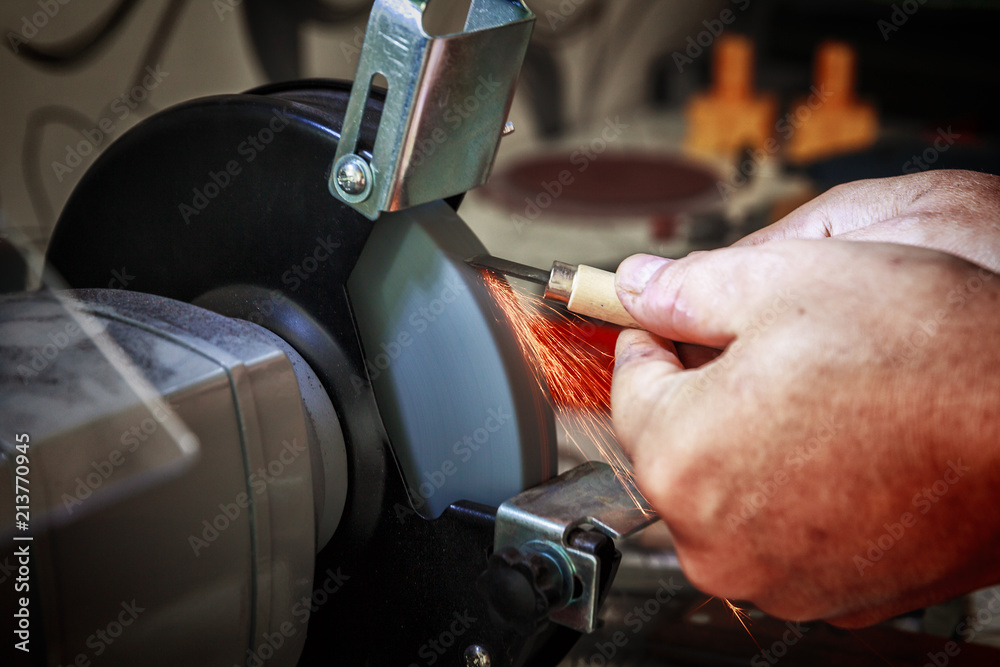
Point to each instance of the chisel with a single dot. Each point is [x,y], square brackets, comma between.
[584,289]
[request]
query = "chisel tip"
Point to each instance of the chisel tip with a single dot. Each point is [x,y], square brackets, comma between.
[508,268]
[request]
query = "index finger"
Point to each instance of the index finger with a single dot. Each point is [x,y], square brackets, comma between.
[844,209]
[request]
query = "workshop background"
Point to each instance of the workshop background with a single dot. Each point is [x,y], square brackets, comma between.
[660,126]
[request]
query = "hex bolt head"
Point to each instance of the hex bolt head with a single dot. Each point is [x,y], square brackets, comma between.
[477,656]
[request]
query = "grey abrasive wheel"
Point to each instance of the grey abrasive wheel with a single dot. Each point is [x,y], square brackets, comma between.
[454,390]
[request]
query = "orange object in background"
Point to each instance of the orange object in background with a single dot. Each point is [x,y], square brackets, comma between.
[832,120]
[731,116]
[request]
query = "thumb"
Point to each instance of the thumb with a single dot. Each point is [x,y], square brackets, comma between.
[707,298]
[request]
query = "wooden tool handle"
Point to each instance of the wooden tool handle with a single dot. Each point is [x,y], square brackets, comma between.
[594,295]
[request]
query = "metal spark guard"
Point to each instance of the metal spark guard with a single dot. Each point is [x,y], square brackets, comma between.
[447,102]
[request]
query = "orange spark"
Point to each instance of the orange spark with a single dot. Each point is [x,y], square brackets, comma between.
[742,616]
[576,372]
[739,614]
[578,375]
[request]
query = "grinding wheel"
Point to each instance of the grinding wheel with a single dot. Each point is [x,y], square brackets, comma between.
[454,391]
[464,415]
[186,206]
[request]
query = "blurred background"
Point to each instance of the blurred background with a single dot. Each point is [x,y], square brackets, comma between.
[680,125]
[660,126]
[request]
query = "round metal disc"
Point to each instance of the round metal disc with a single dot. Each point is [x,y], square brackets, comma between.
[457,398]
[192,202]
[225,201]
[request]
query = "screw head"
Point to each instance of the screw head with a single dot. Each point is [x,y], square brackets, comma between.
[477,656]
[352,179]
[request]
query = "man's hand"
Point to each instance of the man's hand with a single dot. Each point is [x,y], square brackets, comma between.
[957,212]
[840,459]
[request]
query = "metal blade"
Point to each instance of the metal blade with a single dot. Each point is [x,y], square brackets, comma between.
[508,268]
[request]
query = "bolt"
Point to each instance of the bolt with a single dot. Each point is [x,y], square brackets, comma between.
[477,656]
[352,176]
[508,129]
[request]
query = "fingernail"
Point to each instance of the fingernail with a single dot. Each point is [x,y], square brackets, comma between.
[636,271]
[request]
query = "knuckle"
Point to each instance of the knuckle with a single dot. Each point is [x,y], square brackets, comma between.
[704,573]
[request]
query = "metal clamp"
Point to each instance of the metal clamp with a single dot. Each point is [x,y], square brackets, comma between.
[544,520]
[445,109]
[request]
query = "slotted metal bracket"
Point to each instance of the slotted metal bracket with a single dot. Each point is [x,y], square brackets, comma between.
[446,106]
[542,519]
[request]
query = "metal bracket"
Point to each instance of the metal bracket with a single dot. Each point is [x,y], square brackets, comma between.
[445,109]
[593,493]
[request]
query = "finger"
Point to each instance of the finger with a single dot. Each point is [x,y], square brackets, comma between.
[906,230]
[942,233]
[844,209]
[647,371]
[707,299]
[636,348]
